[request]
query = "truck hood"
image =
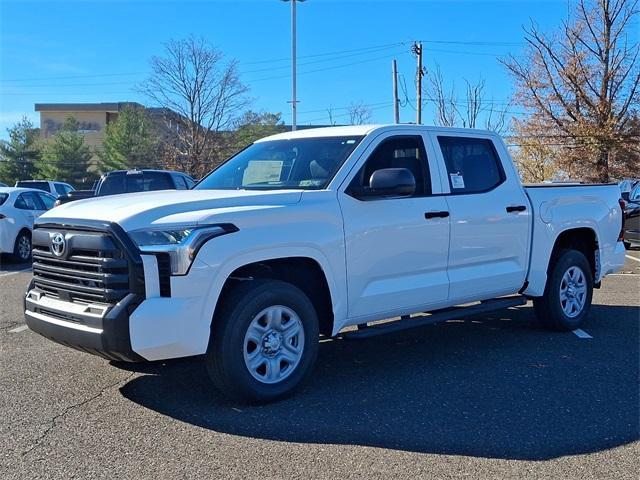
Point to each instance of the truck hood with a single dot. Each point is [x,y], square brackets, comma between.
[172,207]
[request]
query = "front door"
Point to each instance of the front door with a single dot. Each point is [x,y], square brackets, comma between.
[396,248]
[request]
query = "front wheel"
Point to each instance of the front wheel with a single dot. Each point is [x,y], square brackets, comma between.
[567,296]
[264,341]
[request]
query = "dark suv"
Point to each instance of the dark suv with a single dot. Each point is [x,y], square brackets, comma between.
[129,181]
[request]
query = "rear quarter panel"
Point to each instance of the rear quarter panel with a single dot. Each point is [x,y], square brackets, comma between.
[560,208]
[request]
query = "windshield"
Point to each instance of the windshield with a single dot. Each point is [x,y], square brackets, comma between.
[301,163]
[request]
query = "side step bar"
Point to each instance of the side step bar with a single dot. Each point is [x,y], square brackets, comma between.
[436,316]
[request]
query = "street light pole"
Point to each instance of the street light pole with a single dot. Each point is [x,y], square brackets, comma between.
[294,100]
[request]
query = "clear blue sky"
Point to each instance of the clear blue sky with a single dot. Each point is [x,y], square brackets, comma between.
[92,51]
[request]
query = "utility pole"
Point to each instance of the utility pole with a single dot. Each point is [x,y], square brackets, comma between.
[396,102]
[417,50]
[294,100]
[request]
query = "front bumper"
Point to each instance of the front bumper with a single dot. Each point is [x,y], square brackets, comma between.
[157,318]
[95,328]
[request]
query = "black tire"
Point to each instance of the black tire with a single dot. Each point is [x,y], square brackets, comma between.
[627,246]
[21,252]
[549,308]
[225,356]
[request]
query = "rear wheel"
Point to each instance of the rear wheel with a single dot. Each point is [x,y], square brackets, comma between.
[627,245]
[567,296]
[264,341]
[22,248]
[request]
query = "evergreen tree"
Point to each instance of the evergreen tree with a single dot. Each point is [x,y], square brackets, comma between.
[19,154]
[66,157]
[128,142]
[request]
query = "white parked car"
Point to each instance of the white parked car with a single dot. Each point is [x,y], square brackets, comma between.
[309,232]
[19,207]
[54,188]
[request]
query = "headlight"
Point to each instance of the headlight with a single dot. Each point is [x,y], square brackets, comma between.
[181,243]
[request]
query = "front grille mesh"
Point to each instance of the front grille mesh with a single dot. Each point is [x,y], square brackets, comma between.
[92,269]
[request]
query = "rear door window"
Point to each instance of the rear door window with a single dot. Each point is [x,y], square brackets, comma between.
[3,197]
[29,201]
[60,190]
[181,184]
[472,164]
[154,181]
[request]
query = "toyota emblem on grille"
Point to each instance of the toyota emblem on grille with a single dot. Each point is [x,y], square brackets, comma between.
[57,244]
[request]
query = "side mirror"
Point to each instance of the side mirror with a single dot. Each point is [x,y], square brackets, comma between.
[389,182]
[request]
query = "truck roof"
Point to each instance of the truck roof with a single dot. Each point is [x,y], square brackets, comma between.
[360,130]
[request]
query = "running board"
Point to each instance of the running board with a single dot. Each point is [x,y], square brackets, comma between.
[435,317]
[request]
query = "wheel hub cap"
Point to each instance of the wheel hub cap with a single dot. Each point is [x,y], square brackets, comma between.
[573,292]
[273,344]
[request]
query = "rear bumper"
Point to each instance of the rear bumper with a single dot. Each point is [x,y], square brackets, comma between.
[97,329]
[612,260]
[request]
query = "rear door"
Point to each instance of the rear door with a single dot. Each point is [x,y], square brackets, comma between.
[30,208]
[490,218]
[396,248]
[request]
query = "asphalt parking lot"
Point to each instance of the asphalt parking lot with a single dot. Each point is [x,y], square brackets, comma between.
[489,397]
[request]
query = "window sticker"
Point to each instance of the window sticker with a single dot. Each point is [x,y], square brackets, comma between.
[457,180]
[262,171]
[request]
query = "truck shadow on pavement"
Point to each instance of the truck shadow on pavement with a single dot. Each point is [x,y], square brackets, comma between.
[499,387]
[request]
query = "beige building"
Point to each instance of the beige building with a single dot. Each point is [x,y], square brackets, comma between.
[93,118]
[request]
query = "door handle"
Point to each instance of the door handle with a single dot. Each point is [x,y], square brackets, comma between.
[441,214]
[517,208]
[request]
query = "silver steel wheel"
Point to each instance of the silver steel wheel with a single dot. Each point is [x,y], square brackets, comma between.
[573,292]
[24,247]
[274,344]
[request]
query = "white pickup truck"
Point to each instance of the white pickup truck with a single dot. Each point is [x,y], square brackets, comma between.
[309,232]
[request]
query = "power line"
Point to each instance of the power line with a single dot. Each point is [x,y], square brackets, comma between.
[316,55]
[331,67]
[475,43]
[313,62]
[258,62]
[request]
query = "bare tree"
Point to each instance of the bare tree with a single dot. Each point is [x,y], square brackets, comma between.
[359,113]
[473,111]
[193,80]
[331,113]
[446,108]
[582,84]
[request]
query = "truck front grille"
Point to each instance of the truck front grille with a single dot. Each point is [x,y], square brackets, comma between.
[92,268]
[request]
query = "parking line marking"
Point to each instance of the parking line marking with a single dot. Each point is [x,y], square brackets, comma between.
[20,271]
[581,333]
[19,329]
[633,258]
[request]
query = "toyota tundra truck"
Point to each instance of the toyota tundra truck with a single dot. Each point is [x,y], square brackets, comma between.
[352,231]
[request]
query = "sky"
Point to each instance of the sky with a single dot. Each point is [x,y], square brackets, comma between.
[96,51]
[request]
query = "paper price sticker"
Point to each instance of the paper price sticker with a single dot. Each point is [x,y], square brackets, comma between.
[457,181]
